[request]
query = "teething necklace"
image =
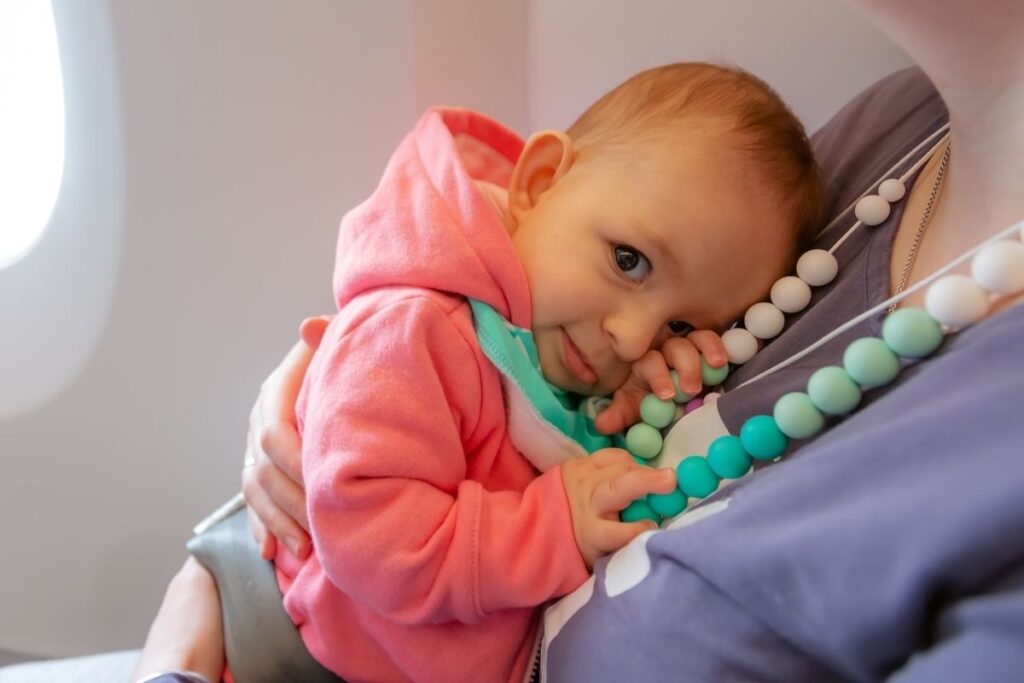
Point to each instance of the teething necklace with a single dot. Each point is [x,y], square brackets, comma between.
[951,303]
[818,267]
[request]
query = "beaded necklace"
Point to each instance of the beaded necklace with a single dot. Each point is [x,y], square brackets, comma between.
[952,303]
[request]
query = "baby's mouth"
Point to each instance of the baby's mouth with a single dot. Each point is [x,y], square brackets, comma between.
[576,362]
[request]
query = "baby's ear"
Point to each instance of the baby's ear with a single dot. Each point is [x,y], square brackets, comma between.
[547,157]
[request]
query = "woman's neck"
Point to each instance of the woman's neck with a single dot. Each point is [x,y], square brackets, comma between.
[974,54]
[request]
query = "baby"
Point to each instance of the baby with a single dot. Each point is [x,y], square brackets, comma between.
[483,290]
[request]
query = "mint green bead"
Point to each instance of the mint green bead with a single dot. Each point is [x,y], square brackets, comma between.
[712,377]
[667,504]
[656,412]
[870,362]
[696,478]
[797,416]
[639,510]
[727,457]
[639,460]
[762,438]
[912,332]
[681,396]
[643,440]
[833,391]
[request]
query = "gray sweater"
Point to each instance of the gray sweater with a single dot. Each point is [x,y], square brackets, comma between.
[891,547]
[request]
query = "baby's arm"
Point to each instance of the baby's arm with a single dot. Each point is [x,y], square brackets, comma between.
[652,373]
[399,418]
[598,488]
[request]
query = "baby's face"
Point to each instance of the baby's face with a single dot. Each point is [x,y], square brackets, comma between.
[620,256]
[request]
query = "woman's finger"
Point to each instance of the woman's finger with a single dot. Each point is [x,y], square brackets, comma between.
[272,519]
[312,330]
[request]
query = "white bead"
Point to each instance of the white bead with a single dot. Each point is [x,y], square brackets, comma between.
[764,320]
[956,301]
[740,345]
[711,397]
[817,267]
[999,267]
[892,190]
[791,294]
[871,210]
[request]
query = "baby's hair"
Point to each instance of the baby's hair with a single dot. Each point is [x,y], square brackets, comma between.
[652,104]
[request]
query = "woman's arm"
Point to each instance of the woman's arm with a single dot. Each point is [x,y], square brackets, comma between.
[272,475]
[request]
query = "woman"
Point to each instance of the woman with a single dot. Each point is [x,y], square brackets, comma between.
[884,547]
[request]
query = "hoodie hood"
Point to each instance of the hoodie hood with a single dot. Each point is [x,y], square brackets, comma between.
[428,224]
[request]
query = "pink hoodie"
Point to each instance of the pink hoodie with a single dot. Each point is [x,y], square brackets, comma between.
[435,540]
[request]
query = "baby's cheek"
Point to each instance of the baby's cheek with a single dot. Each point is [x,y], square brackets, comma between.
[613,380]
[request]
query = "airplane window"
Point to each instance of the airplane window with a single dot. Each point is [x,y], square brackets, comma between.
[31,125]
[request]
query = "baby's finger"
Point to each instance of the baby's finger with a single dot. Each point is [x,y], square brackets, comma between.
[610,536]
[653,371]
[619,414]
[617,492]
[710,345]
[607,457]
[682,355]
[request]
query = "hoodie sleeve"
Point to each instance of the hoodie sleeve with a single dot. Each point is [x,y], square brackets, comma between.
[395,521]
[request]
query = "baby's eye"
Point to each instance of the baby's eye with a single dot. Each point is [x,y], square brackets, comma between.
[680,328]
[631,262]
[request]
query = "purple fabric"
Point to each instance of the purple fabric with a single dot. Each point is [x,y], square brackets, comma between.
[888,548]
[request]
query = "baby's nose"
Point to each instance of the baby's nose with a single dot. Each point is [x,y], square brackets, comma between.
[633,335]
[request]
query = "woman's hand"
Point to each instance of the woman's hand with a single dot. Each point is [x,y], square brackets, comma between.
[652,373]
[601,485]
[272,475]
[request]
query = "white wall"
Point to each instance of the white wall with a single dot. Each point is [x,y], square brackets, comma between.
[212,148]
[815,53]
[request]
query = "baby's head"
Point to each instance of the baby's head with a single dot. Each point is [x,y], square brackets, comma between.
[673,203]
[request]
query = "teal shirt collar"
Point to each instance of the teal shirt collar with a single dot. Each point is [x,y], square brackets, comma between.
[513,352]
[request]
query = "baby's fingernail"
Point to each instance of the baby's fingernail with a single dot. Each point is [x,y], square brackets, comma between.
[293,545]
[666,393]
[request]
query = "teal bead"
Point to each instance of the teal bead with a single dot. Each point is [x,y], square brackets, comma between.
[912,332]
[833,391]
[639,510]
[870,362]
[619,441]
[667,504]
[712,377]
[762,438]
[797,416]
[643,440]
[696,478]
[681,396]
[656,412]
[727,457]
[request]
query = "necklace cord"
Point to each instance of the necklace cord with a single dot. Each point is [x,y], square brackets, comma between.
[938,133]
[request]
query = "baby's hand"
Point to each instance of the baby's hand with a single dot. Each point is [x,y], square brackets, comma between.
[598,487]
[652,373]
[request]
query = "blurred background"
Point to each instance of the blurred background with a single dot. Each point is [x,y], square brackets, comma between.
[210,150]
